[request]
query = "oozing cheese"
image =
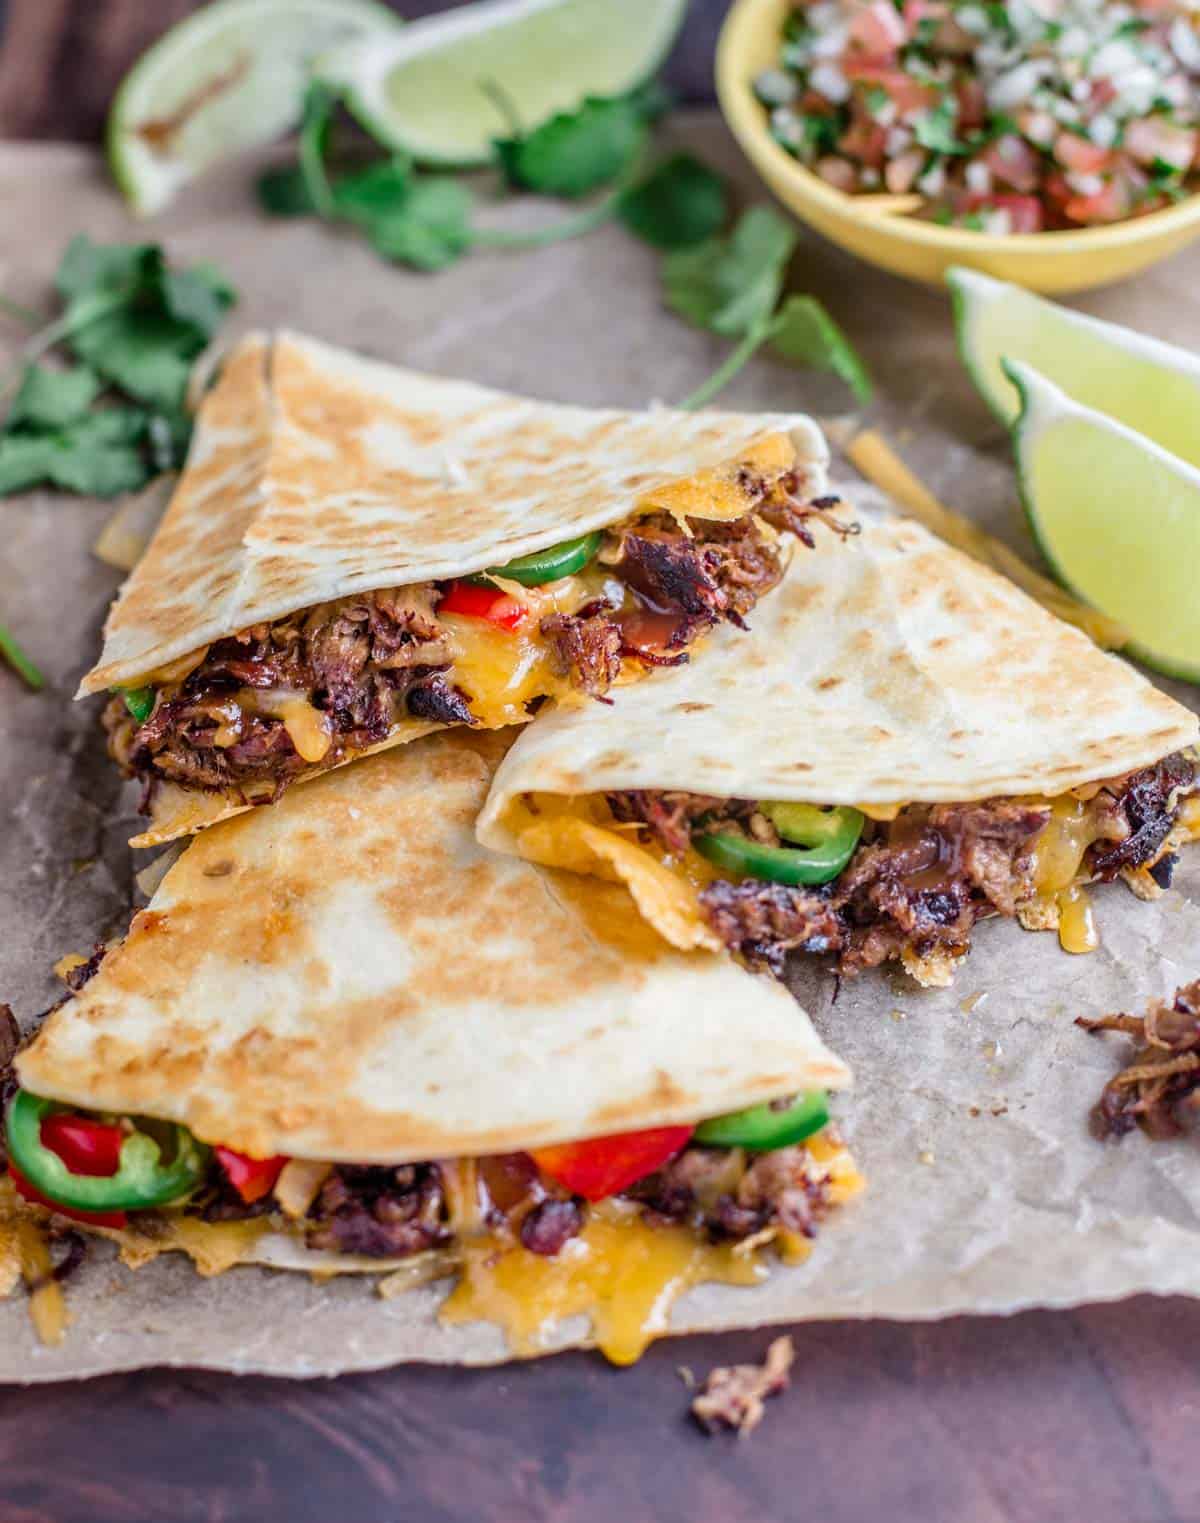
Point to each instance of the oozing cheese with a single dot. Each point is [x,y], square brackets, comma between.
[622,1272]
[580,834]
[501,671]
[309,729]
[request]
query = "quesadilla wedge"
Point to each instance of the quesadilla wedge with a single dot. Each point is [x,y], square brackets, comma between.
[904,744]
[356,555]
[343,1037]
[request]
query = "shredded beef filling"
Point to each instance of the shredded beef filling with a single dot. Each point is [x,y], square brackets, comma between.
[722,1192]
[380,1211]
[1159,1088]
[916,885]
[717,1191]
[368,661]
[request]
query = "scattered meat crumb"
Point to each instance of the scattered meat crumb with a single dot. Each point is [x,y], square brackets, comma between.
[733,1395]
[687,1375]
[1159,1088]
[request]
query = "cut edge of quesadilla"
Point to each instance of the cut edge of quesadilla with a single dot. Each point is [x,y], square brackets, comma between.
[849,785]
[343,1038]
[324,582]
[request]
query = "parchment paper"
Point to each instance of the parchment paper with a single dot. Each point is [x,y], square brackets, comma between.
[986,1192]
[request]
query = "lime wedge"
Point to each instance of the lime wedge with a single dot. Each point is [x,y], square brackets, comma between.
[1117,517]
[433,89]
[230,77]
[1148,385]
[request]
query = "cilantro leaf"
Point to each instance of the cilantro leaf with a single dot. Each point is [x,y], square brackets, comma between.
[88,268]
[680,203]
[319,102]
[136,324]
[284,192]
[143,352]
[937,130]
[805,334]
[429,228]
[99,455]
[377,191]
[52,398]
[576,151]
[731,284]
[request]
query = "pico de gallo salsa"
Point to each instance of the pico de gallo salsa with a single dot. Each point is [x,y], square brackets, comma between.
[1025,117]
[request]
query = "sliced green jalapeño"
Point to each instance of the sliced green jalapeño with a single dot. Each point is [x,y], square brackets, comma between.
[550,564]
[143,1178]
[763,1127]
[139,701]
[824,841]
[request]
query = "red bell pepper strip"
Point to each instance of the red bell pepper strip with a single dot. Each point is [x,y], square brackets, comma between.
[84,1145]
[91,1218]
[252,1178]
[482,603]
[604,1166]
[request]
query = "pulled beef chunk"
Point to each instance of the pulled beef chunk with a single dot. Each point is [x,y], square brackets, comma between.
[84,972]
[357,660]
[1144,803]
[380,1211]
[587,645]
[931,875]
[551,1225]
[1159,1089]
[763,922]
[365,660]
[718,1191]
[787,507]
[670,817]
[719,572]
[918,885]
[732,1396]
[434,698]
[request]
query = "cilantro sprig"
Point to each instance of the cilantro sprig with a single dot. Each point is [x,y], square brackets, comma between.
[731,285]
[12,653]
[110,421]
[426,221]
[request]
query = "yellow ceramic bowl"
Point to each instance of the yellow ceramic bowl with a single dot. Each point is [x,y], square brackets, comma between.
[869,225]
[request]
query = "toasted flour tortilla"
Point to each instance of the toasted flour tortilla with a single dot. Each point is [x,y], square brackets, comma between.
[886,670]
[314,474]
[350,976]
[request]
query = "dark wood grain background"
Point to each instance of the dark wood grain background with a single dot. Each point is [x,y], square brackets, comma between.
[1043,1418]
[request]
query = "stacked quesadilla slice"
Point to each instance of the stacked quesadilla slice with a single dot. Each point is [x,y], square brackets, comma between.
[358,555]
[903,744]
[344,1036]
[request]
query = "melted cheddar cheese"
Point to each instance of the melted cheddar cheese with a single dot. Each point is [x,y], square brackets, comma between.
[580,834]
[621,1272]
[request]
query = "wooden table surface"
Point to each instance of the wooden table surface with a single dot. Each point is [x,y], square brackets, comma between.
[1033,1419]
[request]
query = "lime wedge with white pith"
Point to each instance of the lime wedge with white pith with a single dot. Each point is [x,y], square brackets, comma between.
[230,77]
[1148,385]
[1116,516]
[434,90]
